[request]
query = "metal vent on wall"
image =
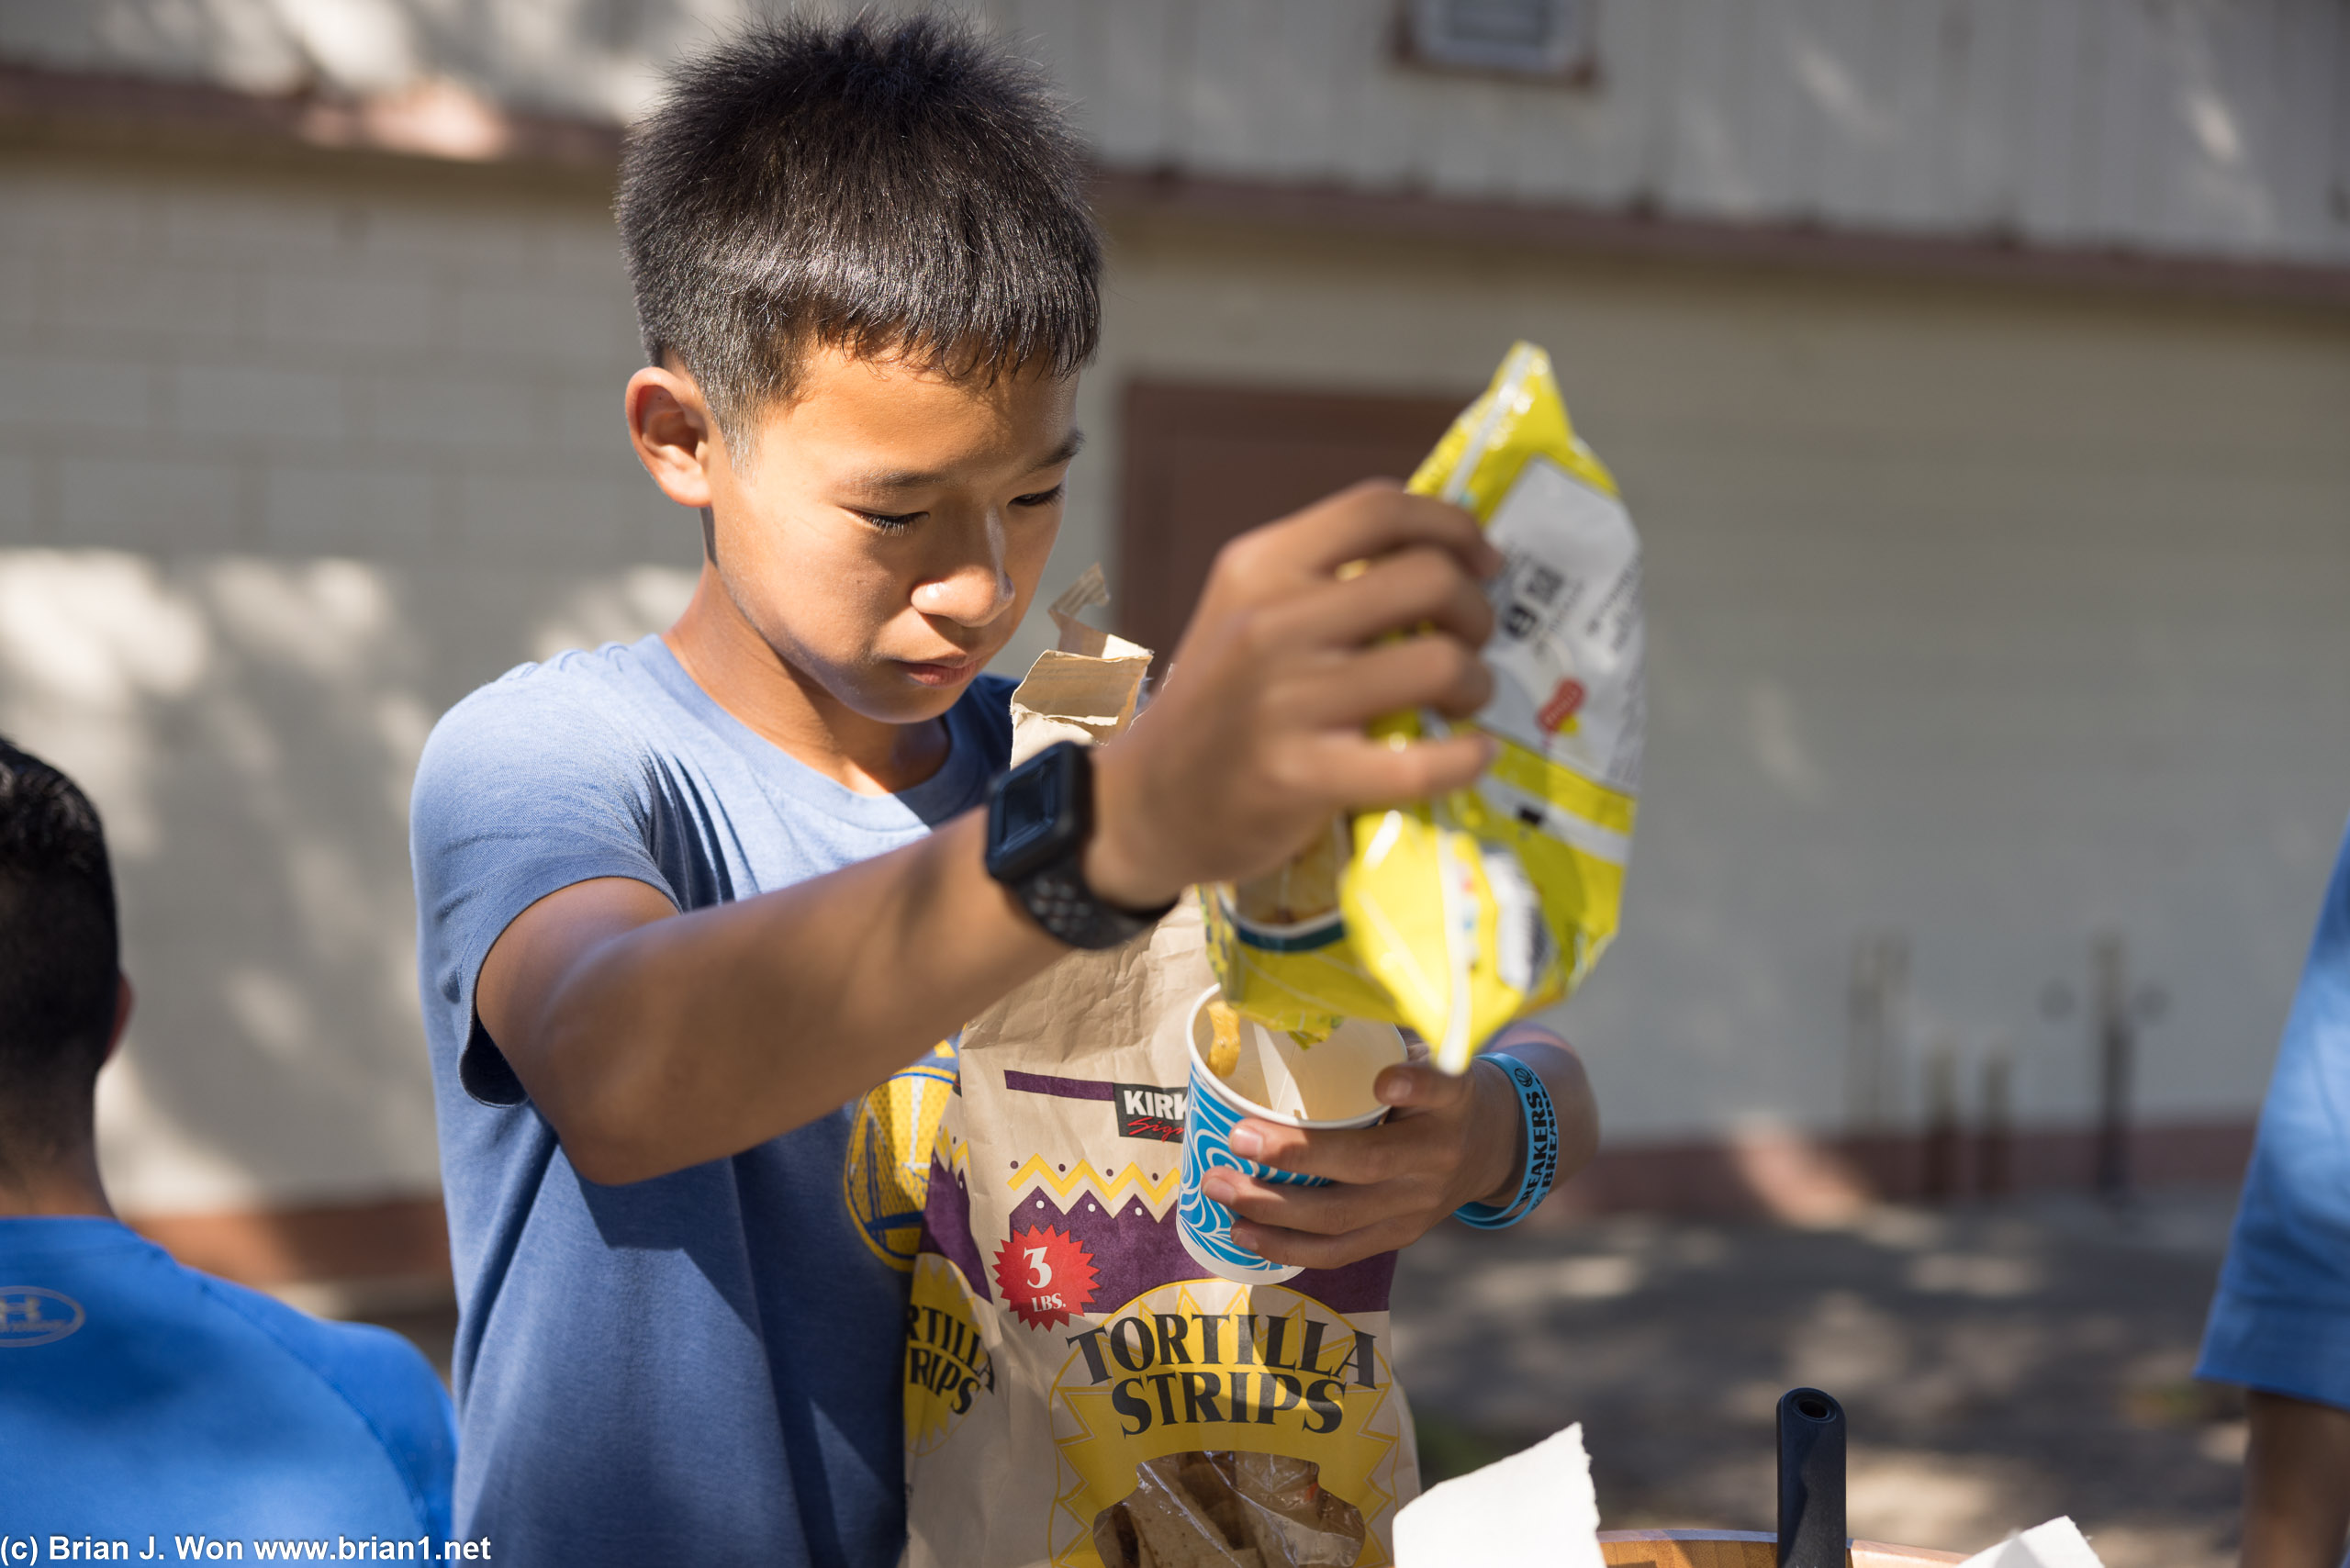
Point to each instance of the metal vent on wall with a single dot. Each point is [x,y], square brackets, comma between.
[1521,37]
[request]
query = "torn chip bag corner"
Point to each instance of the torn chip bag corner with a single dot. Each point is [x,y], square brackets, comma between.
[1077,1391]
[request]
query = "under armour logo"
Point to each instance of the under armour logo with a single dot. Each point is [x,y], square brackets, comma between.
[32,1314]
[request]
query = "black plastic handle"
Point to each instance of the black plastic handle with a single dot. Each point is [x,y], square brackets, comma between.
[1811,1479]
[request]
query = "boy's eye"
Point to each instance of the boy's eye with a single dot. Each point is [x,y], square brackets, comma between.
[1041,499]
[891,522]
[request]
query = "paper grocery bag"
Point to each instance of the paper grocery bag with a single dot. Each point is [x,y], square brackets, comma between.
[1078,1391]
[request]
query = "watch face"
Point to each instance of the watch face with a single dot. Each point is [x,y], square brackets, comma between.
[1038,816]
[1032,809]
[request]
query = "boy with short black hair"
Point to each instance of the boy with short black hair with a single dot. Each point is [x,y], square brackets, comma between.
[691,907]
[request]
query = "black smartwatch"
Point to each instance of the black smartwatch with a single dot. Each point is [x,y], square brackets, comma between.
[1040,818]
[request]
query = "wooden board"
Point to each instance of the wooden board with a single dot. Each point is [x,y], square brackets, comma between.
[1741,1549]
[1686,1548]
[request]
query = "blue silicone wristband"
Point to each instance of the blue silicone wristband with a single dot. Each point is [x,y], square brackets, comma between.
[1541,1151]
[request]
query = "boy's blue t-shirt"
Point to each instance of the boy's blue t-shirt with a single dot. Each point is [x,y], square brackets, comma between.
[705,1365]
[139,1398]
[2280,1321]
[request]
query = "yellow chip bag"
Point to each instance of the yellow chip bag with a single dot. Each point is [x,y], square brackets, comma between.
[1458,914]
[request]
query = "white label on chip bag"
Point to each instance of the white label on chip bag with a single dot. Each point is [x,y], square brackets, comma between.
[1521,937]
[1567,642]
[1507,801]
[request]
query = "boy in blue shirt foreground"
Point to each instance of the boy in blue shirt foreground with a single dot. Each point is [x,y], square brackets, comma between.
[142,1403]
[689,906]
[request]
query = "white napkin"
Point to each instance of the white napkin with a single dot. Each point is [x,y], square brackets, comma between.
[2056,1544]
[1533,1509]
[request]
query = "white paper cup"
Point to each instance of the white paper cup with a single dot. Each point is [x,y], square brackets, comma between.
[1212,1108]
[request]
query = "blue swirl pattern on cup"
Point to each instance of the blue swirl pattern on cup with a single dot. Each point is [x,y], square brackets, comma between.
[1207,1146]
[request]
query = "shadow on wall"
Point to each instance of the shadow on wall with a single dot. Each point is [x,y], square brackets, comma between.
[249,729]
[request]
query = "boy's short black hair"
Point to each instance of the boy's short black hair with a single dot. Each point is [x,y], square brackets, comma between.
[885,186]
[60,959]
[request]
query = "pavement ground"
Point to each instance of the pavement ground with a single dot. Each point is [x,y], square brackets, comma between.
[1998,1365]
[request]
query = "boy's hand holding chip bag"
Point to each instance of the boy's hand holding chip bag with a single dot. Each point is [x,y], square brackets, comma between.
[1258,736]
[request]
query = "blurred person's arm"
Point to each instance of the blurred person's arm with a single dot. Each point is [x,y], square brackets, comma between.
[2296,1483]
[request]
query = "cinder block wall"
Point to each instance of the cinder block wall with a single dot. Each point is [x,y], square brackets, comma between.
[289,460]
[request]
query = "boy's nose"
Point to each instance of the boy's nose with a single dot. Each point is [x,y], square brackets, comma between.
[971,595]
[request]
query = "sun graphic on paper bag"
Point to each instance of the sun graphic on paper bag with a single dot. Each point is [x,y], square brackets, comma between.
[1045,1276]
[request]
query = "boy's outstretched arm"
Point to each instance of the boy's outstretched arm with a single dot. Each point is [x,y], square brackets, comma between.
[653,1040]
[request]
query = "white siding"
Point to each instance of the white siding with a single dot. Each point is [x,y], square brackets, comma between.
[2201,127]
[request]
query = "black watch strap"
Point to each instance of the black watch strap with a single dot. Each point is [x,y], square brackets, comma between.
[1067,909]
[1040,818]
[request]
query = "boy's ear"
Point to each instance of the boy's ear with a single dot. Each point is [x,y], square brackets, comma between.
[674,436]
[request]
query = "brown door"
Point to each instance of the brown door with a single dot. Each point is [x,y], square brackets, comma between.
[1204,462]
